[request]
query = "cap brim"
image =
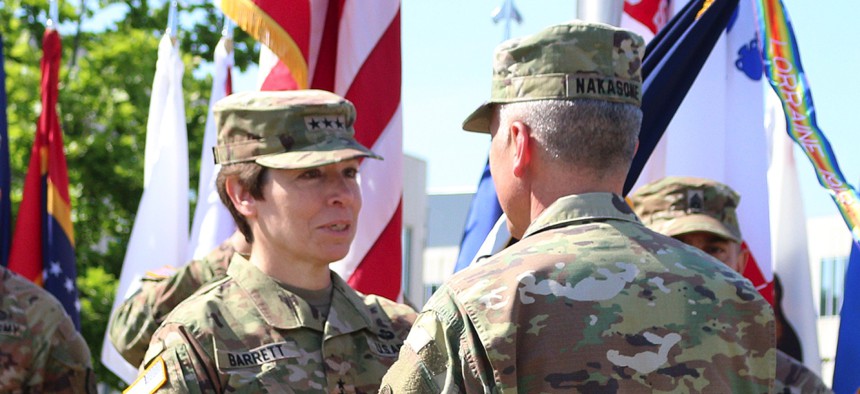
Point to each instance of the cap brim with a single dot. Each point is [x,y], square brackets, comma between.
[696,223]
[479,120]
[316,156]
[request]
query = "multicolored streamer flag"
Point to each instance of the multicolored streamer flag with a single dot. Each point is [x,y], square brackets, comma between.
[352,48]
[43,249]
[785,74]
[5,173]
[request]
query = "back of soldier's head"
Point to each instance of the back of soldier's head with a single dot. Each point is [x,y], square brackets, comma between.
[577,86]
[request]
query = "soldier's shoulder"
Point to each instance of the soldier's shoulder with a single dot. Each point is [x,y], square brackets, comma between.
[36,303]
[400,316]
[792,376]
[214,297]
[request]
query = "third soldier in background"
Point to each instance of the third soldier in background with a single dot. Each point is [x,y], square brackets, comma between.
[589,300]
[702,213]
[136,319]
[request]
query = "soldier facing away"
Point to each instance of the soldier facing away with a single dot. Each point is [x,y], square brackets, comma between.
[282,321]
[589,300]
[40,351]
[702,213]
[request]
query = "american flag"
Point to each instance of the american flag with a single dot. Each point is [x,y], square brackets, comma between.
[351,48]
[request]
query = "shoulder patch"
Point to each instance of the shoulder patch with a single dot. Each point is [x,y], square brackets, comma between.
[152,378]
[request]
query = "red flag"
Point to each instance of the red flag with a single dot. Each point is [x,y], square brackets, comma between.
[352,48]
[646,17]
[43,247]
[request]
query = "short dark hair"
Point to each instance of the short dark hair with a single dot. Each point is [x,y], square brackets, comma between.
[251,177]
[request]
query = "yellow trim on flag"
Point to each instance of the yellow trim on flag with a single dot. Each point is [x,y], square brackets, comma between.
[261,26]
[61,211]
[43,160]
[704,9]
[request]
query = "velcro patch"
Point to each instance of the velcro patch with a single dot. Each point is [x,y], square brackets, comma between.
[418,338]
[152,379]
[226,360]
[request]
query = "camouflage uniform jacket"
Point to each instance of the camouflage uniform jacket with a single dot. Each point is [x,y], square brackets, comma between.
[245,333]
[792,377]
[137,318]
[40,351]
[591,301]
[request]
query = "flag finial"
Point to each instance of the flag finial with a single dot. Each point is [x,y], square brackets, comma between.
[227,31]
[173,20]
[507,12]
[53,14]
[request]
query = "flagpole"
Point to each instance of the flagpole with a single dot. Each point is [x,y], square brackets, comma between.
[53,15]
[173,20]
[508,13]
[603,11]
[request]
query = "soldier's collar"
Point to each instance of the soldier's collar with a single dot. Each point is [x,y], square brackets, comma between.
[282,309]
[582,208]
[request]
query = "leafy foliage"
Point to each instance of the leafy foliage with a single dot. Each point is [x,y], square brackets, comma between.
[106,79]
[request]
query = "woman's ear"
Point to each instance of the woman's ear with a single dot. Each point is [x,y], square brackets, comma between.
[241,198]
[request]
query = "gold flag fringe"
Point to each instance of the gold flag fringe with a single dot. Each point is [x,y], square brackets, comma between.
[261,26]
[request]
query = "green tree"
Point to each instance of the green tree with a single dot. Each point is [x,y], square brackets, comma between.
[105,84]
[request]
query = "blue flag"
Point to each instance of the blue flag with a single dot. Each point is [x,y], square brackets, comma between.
[5,173]
[846,378]
[483,214]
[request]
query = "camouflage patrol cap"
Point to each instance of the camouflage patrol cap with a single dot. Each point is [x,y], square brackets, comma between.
[286,129]
[679,205]
[568,61]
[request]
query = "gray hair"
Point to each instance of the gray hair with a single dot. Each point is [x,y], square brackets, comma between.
[595,134]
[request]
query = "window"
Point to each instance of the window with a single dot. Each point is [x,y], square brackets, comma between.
[832,285]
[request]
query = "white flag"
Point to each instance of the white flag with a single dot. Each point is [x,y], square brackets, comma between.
[718,131]
[788,234]
[212,221]
[160,232]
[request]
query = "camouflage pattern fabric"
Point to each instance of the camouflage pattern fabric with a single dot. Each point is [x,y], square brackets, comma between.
[575,60]
[287,129]
[132,325]
[792,377]
[677,205]
[591,301]
[40,351]
[247,334]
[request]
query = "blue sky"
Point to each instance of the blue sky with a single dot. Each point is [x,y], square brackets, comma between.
[447,53]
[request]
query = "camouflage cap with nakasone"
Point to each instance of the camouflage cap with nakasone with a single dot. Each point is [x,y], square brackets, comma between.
[568,61]
[287,129]
[679,205]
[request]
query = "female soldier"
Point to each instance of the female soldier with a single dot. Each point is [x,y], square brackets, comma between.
[282,321]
